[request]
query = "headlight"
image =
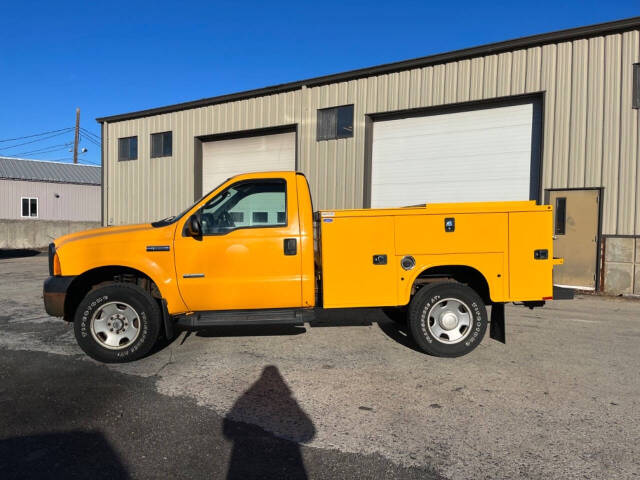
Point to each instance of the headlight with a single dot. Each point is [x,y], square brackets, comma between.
[56,265]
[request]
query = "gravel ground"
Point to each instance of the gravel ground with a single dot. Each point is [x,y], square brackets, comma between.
[348,396]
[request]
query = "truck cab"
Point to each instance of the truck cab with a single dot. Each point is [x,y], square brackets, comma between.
[246,253]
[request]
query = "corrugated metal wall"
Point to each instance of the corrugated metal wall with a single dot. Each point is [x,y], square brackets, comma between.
[590,130]
[75,202]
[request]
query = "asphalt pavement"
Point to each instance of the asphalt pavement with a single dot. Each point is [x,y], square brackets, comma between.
[346,397]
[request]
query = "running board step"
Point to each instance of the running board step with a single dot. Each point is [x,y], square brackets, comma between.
[295,316]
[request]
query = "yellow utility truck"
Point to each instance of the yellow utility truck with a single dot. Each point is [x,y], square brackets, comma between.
[252,251]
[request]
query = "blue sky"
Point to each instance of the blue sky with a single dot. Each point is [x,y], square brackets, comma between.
[115,57]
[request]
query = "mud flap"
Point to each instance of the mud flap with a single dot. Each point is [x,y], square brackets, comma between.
[497,331]
[168,321]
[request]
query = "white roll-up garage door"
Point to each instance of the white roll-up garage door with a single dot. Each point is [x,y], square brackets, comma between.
[222,159]
[464,156]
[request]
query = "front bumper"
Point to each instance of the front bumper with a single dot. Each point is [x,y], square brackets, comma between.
[54,294]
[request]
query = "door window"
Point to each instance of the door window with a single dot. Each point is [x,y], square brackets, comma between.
[249,204]
[561,215]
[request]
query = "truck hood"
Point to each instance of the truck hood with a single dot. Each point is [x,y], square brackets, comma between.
[104,234]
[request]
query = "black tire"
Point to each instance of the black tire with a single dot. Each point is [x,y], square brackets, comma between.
[397,314]
[447,298]
[147,325]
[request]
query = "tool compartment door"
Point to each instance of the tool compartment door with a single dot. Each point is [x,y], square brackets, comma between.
[350,278]
[530,275]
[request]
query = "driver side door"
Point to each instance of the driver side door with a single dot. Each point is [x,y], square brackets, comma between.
[240,260]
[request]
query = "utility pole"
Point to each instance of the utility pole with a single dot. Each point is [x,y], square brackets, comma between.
[76,138]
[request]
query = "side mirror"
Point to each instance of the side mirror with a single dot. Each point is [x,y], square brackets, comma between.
[193,227]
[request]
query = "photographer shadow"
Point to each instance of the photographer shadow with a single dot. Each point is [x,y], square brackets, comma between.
[267,428]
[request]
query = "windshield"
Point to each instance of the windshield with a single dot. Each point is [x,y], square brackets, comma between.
[174,218]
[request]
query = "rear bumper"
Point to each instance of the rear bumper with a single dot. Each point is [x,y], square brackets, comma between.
[54,293]
[562,293]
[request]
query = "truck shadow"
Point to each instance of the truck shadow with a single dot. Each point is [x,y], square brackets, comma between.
[365,317]
[324,319]
[249,331]
[267,428]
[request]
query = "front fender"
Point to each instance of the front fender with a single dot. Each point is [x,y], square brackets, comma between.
[131,251]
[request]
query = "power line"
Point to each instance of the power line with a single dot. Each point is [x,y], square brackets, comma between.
[37,140]
[92,163]
[90,139]
[97,140]
[71,159]
[51,148]
[89,131]
[35,135]
[96,137]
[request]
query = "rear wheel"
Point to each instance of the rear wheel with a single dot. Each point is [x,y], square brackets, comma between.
[447,319]
[117,323]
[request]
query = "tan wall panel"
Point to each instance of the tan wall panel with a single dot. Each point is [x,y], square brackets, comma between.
[464,80]
[427,87]
[518,72]
[476,88]
[595,113]
[414,87]
[578,114]
[611,137]
[548,84]
[627,193]
[562,117]
[439,79]
[534,69]
[490,76]
[451,83]
[504,74]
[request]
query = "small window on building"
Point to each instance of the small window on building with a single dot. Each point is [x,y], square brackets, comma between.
[30,207]
[336,122]
[561,215]
[161,144]
[237,217]
[127,148]
[260,217]
[636,85]
[282,218]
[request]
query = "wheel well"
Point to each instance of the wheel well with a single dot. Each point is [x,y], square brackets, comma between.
[90,279]
[458,273]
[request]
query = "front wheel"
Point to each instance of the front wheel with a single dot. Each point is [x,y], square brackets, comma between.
[447,319]
[117,323]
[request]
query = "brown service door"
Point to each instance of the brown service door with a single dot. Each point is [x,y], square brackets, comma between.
[575,219]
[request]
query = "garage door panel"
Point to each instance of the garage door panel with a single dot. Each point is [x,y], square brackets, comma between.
[222,159]
[479,155]
[476,120]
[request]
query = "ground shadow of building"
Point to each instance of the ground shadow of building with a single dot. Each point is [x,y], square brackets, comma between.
[73,454]
[267,426]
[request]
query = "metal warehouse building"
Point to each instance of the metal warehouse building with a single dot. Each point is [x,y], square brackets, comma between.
[551,117]
[41,200]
